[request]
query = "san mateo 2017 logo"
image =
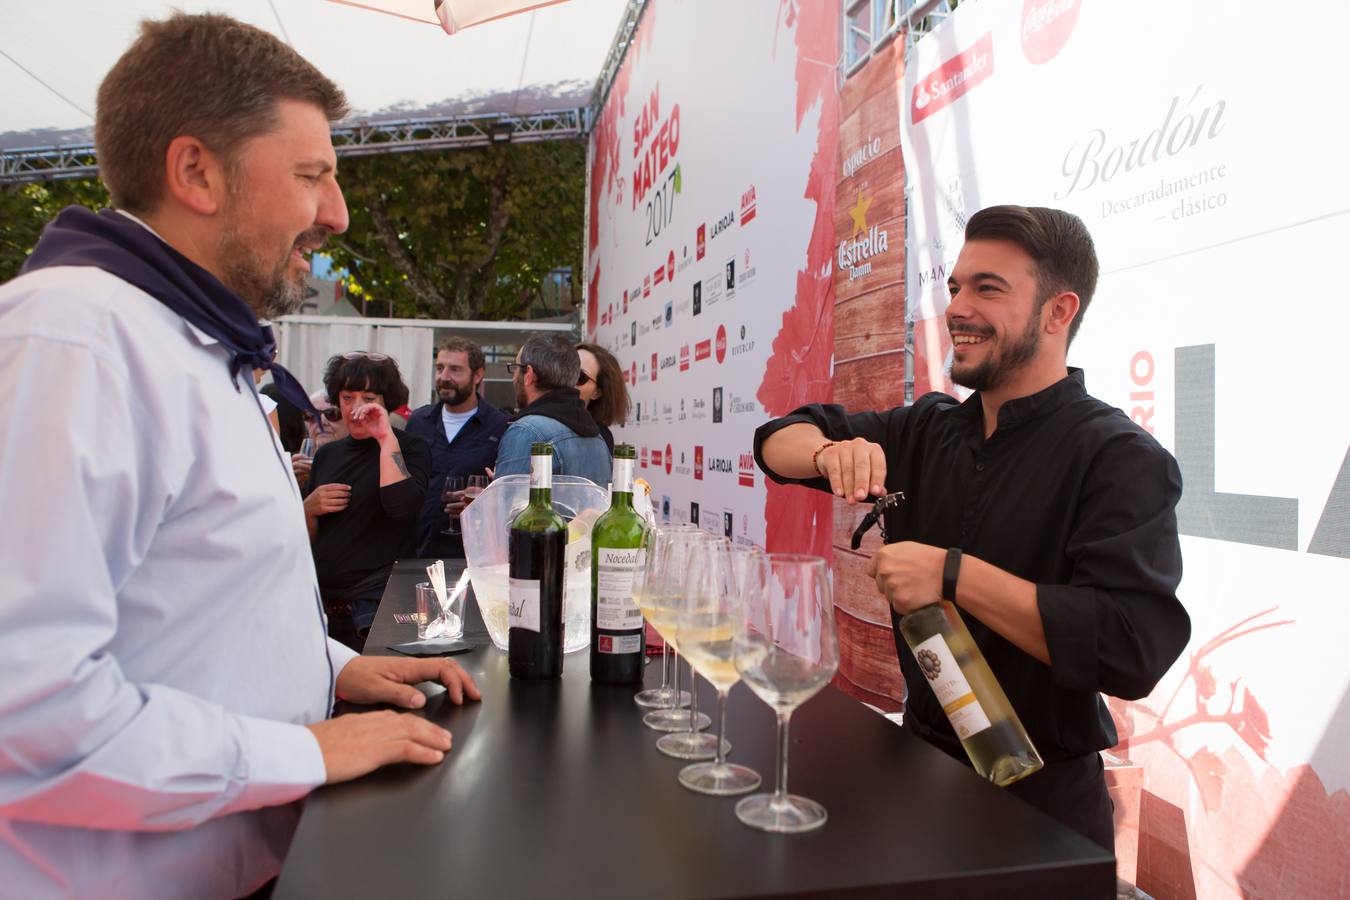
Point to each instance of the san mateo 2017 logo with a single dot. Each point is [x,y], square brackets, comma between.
[953,79]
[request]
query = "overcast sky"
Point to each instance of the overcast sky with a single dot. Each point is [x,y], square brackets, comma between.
[380,61]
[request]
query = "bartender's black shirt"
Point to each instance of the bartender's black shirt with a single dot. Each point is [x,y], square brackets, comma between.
[1067,493]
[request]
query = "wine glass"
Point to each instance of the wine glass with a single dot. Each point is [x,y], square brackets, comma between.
[452,492]
[705,626]
[656,698]
[667,562]
[696,578]
[473,486]
[786,651]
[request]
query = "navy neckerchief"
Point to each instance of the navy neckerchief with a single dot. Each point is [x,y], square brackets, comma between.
[122,247]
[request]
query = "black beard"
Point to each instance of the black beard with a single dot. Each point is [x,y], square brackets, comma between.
[457,394]
[998,367]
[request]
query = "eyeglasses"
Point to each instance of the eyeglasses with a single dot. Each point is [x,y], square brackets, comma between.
[365,354]
[513,367]
[584,379]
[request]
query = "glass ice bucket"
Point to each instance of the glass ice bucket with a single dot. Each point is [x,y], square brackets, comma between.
[486,523]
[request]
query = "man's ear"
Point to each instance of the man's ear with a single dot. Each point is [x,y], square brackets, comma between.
[194,176]
[1058,312]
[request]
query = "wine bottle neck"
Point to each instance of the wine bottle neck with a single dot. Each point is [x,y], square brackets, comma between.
[541,497]
[541,473]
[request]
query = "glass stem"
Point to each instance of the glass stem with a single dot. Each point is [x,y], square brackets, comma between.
[721,726]
[665,666]
[693,701]
[780,793]
[675,663]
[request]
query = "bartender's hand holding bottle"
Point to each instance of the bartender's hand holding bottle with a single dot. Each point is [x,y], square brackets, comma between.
[856,469]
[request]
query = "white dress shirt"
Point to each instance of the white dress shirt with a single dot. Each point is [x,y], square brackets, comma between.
[162,642]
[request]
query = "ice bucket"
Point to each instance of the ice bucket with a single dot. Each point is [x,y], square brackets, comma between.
[486,523]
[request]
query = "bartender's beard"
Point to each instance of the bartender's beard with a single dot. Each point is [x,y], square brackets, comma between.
[1003,361]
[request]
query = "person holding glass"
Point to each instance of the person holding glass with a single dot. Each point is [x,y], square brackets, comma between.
[365,493]
[464,432]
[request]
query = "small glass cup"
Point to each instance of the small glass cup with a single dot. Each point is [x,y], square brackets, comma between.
[435,623]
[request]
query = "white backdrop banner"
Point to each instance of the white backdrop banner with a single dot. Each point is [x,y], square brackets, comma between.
[699,225]
[1204,145]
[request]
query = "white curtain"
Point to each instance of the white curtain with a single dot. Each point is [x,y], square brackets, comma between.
[305,347]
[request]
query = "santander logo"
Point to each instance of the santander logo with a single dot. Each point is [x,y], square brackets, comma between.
[953,79]
[1046,26]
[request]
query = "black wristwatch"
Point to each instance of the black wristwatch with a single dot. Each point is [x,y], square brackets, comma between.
[950,570]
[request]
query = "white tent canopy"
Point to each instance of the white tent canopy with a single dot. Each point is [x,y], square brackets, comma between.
[53,56]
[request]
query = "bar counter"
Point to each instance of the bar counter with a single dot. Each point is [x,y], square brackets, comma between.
[556,789]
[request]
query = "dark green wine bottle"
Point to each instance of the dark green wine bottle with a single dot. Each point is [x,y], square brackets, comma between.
[537,556]
[616,550]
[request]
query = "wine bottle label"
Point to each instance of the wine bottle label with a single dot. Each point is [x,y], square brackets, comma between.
[623,476]
[523,604]
[949,683]
[541,472]
[619,643]
[614,606]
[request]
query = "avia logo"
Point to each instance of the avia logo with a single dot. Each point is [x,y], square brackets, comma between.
[659,275]
[746,478]
[684,358]
[1046,26]
[953,79]
[869,151]
[670,266]
[721,343]
[644,458]
[748,205]
[646,285]
[698,462]
[723,224]
[702,350]
[655,360]
[670,459]
[702,241]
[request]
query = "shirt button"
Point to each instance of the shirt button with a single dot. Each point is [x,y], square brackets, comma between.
[979,467]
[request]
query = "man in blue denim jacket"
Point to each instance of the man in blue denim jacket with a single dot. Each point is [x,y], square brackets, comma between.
[545,374]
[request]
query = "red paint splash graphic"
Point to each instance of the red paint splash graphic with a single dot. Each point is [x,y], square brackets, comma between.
[798,370]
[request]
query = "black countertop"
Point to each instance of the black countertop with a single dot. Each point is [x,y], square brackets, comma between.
[556,789]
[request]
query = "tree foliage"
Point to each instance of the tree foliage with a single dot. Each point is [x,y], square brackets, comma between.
[452,234]
[463,234]
[25,209]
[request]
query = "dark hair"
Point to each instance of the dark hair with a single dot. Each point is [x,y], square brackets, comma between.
[464,345]
[208,76]
[554,360]
[1058,242]
[611,407]
[360,372]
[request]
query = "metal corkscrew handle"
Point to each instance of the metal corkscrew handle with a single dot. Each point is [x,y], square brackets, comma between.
[874,516]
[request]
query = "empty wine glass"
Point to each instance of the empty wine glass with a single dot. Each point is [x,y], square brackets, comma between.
[706,628]
[698,577]
[656,698]
[786,651]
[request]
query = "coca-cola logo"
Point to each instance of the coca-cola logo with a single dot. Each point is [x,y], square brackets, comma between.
[670,266]
[670,458]
[1046,26]
[721,343]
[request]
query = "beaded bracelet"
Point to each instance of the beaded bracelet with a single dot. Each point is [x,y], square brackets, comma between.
[816,456]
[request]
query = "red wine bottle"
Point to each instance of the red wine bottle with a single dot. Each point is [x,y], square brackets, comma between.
[537,550]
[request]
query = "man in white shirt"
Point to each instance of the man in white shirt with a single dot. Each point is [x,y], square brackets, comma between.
[165,678]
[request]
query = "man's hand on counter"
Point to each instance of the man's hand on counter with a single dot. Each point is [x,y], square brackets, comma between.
[359,743]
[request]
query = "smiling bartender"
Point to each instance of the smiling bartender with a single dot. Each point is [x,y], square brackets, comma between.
[1047,516]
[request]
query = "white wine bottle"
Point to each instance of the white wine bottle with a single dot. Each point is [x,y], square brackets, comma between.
[975,704]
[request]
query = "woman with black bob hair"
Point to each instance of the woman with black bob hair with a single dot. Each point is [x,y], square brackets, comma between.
[365,492]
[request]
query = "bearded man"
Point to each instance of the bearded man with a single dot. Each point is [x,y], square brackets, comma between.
[464,431]
[165,676]
[1045,515]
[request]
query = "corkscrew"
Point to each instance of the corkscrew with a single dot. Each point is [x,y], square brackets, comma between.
[874,517]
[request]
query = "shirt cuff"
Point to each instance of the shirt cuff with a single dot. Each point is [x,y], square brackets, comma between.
[1069,619]
[340,654]
[284,761]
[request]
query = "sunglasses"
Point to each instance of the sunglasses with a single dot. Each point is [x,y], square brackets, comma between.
[584,379]
[365,354]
